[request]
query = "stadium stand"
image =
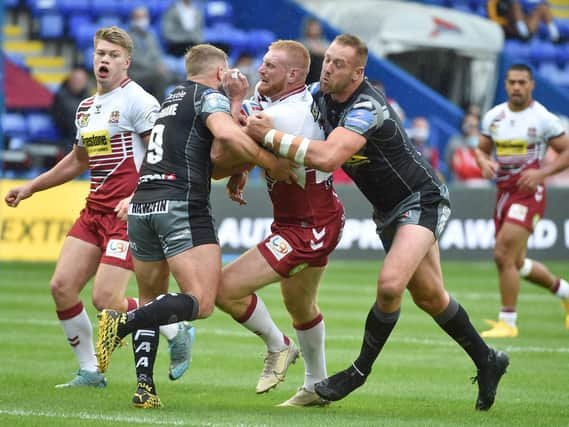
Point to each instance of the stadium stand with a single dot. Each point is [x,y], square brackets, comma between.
[45,38]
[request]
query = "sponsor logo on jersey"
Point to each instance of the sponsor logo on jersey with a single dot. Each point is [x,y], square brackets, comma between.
[115,116]
[214,101]
[532,132]
[357,160]
[279,247]
[157,177]
[117,249]
[160,206]
[518,212]
[98,109]
[83,120]
[511,147]
[360,120]
[97,143]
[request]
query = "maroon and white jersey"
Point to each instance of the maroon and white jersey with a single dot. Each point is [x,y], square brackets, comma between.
[312,200]
[520,138]
[110,128]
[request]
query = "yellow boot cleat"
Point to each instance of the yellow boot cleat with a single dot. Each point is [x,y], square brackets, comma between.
[499,329]
[565,304]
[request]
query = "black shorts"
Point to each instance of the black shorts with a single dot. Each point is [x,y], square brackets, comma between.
[430,211]
[159,230]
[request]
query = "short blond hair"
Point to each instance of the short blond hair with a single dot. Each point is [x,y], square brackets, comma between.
[114,35]
[357,44]
[297,53]
[203,58]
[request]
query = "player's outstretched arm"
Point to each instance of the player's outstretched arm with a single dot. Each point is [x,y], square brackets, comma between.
[71,166]
[233,148]
[326,156]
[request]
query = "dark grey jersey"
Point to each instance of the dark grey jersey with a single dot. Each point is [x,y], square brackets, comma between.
[388,168]
[177,164]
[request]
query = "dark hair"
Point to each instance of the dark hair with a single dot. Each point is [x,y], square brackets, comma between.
[521,67]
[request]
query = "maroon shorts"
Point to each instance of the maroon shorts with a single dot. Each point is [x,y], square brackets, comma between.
[291,248]
[107,232]
[519,207]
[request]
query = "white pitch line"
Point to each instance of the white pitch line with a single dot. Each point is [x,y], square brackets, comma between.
[114,418]
[204,329]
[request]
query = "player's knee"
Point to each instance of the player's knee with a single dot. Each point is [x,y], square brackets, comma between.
[58,289]
[205,309]
[389,288]
[106,300]
[501,257]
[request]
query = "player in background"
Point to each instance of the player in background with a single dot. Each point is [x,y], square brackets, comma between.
[113,127]
[518,131]
[411,207]
[308,220]
[170,222]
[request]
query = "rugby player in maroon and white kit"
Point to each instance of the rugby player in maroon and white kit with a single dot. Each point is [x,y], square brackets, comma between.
[519,131]
[113,128]
[308,220]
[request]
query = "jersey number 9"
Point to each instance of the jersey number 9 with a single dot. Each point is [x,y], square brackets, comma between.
[155,151]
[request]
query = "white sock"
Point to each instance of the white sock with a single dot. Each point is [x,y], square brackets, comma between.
[261,323]
[509,317]
[79,332]
[311,343]
[522,28]
[169,331]
[553,31]
[563,290]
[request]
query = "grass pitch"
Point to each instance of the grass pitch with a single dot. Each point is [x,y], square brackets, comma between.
[421,378]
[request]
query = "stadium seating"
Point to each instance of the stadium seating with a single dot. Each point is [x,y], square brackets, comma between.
[41,128]
[218,12]
[14,125]
[51,26]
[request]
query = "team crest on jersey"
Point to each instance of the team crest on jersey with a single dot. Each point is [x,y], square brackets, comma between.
[115,116]
[98,109]
[83,120]
[117,249]
[279,247]
[532,132]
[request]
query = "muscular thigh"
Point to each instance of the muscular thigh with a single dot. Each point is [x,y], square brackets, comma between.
[246,274]
[198,270]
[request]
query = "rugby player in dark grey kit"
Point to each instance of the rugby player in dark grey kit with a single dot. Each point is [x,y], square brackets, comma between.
[170,223]
[411,208]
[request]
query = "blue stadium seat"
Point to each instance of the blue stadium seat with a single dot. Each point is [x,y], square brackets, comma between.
[51,26]
[39,7]
[83,35]
[11,3]
[218,12]
[14,125]
[107,7]
[42,128]
[517,50]
[562,52]
[227,36]
[75,7]
[110,20]
[563,25]
[259,40]
[542,51]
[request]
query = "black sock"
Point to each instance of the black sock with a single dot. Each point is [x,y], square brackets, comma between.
[455,322]
[145,347]
[166,309]
[378,327]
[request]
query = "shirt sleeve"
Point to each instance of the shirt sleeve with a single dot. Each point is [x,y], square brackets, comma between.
[365,116]
[214,101]
[144,113]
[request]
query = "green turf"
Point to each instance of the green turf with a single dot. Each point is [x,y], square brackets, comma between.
[421,379]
